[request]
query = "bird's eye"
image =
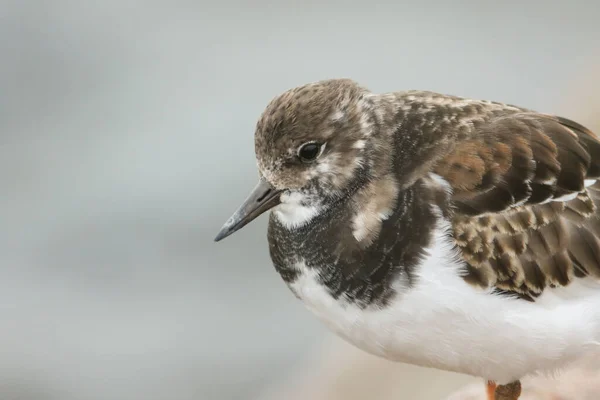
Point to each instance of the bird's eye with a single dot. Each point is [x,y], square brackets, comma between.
[309,151]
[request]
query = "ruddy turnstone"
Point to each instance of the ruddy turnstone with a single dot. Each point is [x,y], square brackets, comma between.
[434,230]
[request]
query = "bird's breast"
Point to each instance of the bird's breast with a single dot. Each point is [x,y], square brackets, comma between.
[442,322]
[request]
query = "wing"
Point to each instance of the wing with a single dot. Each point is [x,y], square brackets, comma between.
[526,201]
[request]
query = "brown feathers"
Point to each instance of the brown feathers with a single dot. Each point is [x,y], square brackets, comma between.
[523,216]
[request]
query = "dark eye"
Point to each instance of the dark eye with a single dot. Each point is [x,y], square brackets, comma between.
[309,151]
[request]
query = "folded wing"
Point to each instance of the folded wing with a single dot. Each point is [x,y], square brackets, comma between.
[525,202]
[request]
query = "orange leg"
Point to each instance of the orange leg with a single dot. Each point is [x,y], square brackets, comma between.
[491,390]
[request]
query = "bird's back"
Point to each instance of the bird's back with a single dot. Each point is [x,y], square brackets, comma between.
[525,194]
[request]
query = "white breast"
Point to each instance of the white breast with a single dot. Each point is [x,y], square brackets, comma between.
[442,322]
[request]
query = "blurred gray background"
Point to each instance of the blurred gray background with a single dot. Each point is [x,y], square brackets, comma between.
[127,140]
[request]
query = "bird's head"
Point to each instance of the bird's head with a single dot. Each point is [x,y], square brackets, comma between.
[314,144]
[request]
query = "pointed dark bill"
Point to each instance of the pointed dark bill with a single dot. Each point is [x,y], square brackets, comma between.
[262,198]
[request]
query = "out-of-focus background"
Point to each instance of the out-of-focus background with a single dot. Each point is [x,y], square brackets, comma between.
[127,140]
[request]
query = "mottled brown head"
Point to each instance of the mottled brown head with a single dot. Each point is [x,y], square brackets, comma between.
[313,137]
[314,144]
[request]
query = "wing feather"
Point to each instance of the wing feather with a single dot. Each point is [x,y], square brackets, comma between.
[525,202]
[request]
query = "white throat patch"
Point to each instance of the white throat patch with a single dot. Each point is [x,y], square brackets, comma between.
[292,213]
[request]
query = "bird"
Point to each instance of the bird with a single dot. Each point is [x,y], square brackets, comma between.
[432,229]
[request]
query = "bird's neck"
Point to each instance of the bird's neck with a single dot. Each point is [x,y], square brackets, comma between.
[378,233]
[361,248]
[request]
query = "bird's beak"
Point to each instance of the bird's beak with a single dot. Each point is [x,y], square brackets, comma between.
[262,198]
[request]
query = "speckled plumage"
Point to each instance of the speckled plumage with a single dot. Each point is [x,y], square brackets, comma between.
[361,274]
[427,213]
[503,163]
